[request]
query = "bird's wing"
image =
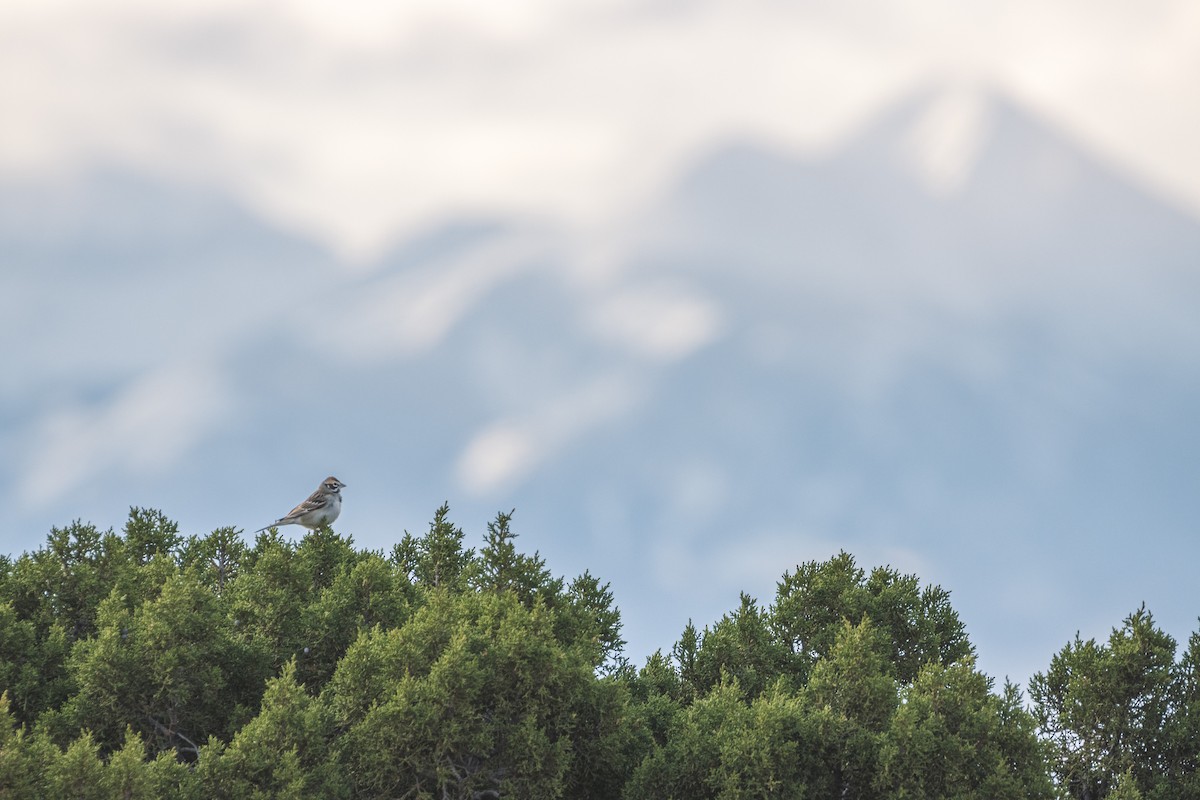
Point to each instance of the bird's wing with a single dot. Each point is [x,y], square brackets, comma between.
[316,500]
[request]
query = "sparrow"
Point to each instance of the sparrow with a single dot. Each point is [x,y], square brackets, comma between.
[321,508]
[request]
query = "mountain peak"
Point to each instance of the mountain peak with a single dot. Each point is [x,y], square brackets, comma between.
[935,135]
[945,138]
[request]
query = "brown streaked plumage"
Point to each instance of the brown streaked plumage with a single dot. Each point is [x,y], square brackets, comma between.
[321,508]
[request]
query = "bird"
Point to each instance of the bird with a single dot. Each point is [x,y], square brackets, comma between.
[321,508]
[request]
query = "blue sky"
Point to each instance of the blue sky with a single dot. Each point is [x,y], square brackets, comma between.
[551,258]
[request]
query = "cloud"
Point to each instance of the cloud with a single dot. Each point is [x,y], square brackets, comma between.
[146,427]
[658,322]
[364,122]
[504,452]
[413,311]
[501,453]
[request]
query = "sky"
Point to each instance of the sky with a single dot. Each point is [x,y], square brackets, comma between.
[361,127]
[316,112]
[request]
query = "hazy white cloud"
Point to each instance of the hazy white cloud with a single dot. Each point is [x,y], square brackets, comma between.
[414,310]
[362,121]
[507,450]
[501,454]
[659,322]
[146,427]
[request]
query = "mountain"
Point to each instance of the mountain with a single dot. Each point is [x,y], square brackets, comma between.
[990,374]
[959,344]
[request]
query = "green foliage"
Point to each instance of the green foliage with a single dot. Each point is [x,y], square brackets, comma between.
[474,693]
[724,747]
[1126,787]
[217,558]
[173,668]
[438,558]
[1181,772]
[266,600]
[282,752]
[149,533]
[24,759]
[128,775]
[918,625]
[77,773]
[32,664]
[608,740]
[369,594]
[686,764]
[502,568]
[201,667]
[64,582]
[952,738]
[777,749]
[594,623]
[1107,709]
[739,646]
[854,698]
[145,663]
[685,652]
[852,682]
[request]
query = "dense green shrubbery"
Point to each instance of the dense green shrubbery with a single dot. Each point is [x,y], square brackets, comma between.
[146,664]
